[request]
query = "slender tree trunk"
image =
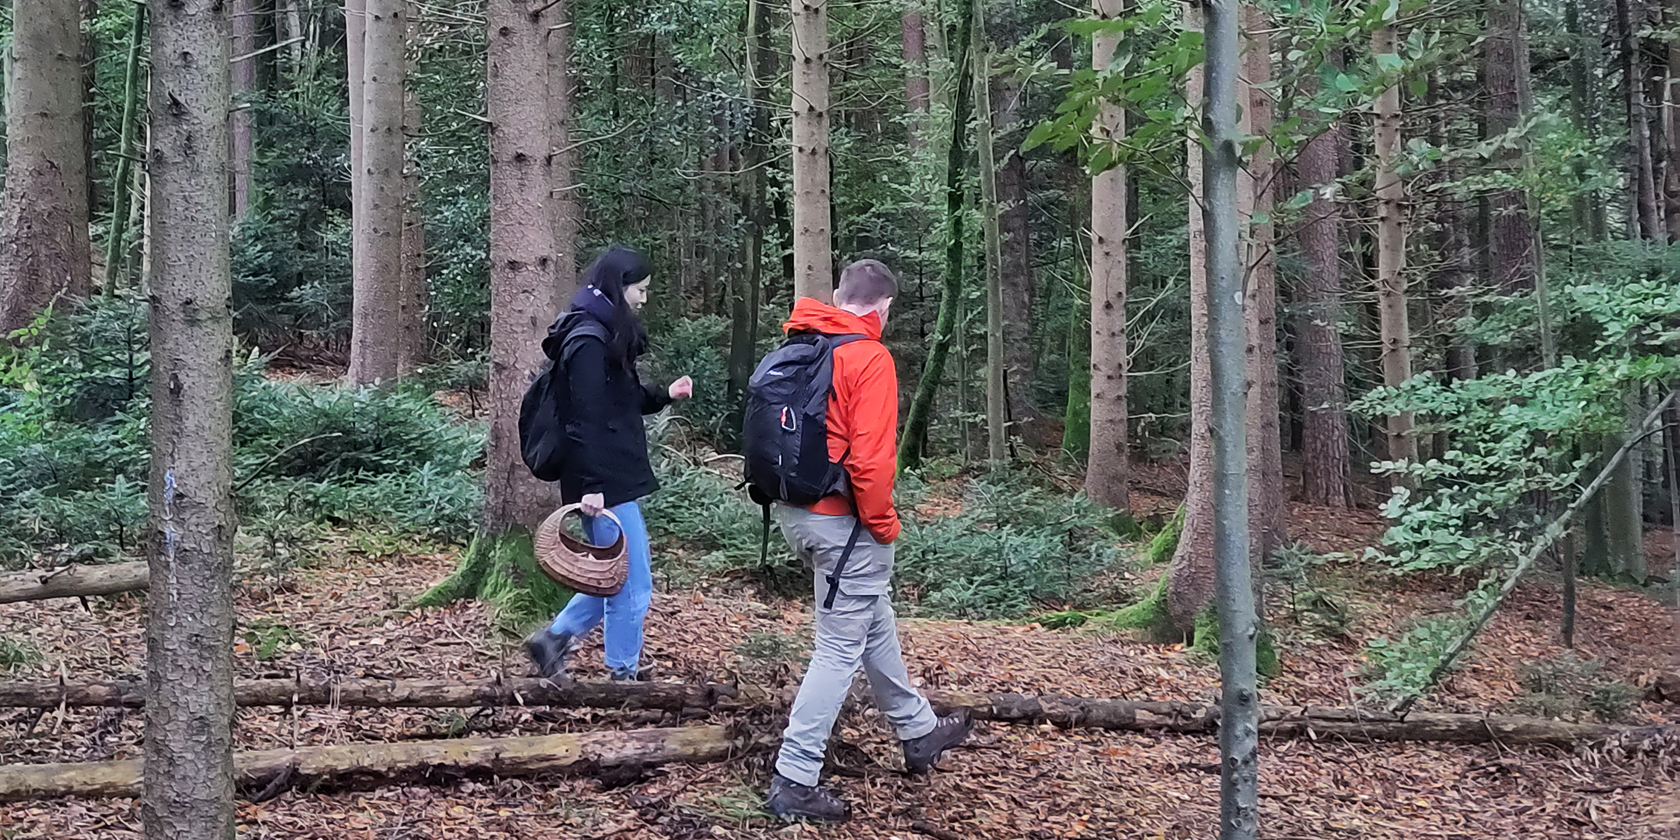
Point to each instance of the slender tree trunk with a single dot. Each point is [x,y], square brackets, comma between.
[1630,19]
[997,410]
[1510,234]
[1671,129]
[1232,424]
[1324,436]
[914,436]
[760,67]
[377,332]
[1018,279]
[44,248]
[240,121]
[813,255]
[355,63]
[522,292]
[1395,325]
[1105,474]
[567,165]
[188,770]
[416,290]
[1076,417]
[123,197]
[1256,186]
[917,94]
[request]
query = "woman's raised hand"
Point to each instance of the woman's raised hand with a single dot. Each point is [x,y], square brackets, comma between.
[682,389]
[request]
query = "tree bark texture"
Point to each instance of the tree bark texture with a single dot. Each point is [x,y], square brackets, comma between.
[188,778]
[355,51]
[813,246]
[1318,336]
[1630,18]
[1510,230]
[77,581]
[416,288]
[1231,419]
[1106,471]
[44,248]
[1671,130]
[241,120]
[567,165]
[1015,199]
[1394,325]
[1256,188]
[523,297]
[359,765]
[997,409]
[917,94]
[377,333]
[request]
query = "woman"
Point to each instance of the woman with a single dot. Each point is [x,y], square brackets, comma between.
[607,468]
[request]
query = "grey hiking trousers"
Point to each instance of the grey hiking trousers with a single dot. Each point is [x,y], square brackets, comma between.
[860,630]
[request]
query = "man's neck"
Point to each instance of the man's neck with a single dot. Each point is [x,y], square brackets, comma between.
[853,308]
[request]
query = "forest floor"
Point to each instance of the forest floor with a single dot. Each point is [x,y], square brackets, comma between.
[334,617]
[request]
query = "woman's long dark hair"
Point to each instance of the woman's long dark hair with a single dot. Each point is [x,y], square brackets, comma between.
[610,274]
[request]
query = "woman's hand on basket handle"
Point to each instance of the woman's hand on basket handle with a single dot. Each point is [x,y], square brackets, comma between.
[593,504]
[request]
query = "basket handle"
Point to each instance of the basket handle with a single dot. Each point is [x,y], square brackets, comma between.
[567,510]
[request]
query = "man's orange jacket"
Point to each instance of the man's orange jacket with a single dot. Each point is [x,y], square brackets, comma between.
[862,414]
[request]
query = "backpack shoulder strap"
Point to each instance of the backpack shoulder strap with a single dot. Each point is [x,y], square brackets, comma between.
[586,328]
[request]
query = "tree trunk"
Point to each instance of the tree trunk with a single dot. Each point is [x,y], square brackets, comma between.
[1231,413]
[1018,280]
[813,246]
[1395,326]
[914,436]
[123,192]
[1671,130]
[1318,337]
[1106,472]
[188,779]
[1076,417]
[997,410]
[44,249]
[916,91]
[567,172]
[1624,518]
[377,333]
[522,292]
[1511,232]
[416,290]
[359,765]
[1191,579]
[355,52]
[75,581]
[240,121]
[1630,19]
[1256,186]
[744,297]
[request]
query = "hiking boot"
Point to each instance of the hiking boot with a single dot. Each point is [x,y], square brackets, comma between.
[548,651]
[921,753]
[624,674]
[790,800]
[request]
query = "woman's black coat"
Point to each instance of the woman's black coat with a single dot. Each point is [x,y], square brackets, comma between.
[606,447]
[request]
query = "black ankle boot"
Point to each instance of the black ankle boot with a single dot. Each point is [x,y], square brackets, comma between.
[921,753]
[790,800]
[548,651]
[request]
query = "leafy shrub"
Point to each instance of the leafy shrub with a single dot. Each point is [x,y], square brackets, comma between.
[1012,548]
[1397,669]
[17,653]
[322,433]
[1571,688]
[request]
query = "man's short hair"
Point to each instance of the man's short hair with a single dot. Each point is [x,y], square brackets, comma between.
[865,283]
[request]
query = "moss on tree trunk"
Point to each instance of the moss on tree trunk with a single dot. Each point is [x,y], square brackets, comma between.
[501,570]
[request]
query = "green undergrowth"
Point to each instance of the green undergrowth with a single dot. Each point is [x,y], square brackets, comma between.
[75,450]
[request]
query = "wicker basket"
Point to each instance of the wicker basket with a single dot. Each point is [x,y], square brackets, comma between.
[575,564]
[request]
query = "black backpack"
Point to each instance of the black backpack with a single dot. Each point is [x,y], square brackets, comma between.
[547,405]
[784,436]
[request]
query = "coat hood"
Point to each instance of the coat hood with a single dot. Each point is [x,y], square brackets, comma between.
[810,315]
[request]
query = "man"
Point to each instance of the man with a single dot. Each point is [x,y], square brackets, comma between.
[859,628]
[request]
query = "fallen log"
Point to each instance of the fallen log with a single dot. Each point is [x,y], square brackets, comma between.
[76,581]
[1065,712]
[371,692]
[360,765]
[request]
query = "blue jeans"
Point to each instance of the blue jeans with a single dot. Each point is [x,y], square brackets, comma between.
[621,615]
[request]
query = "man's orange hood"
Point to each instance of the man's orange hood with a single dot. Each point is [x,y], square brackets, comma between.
[810,315]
